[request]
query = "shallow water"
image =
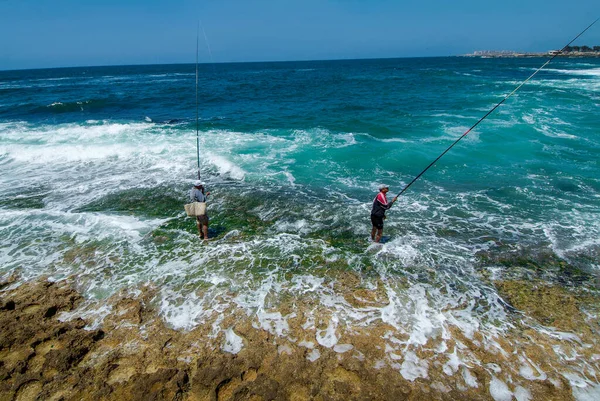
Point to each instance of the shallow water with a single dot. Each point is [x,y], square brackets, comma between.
[97,163]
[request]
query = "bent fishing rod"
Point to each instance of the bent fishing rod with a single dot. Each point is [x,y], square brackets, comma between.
[494,108]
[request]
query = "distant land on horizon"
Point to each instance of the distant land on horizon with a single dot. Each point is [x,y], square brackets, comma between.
[569,51]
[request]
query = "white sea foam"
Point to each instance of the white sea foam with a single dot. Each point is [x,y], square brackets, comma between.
[470,380]
[328,338]
[413,367]
[343,140]
[582,86]
[522,394]
[576,380]
[306,284]
[390,140]
[553,132]
[227,168]
[183,314]
[273,322]
[499,390]
[402,250]
[451,367]
[592,72]
[341,348]
[233,343]
[289,177]
[92,315]
[313,355]
[307,344]
[590,392]
[284,349]
[526,370]
[78,227]
[457,116]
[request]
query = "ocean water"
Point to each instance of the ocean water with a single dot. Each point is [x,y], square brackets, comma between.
[97,163]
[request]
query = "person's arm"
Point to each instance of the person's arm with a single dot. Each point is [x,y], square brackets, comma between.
[385,206]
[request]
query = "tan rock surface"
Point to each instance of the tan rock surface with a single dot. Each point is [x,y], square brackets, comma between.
[136,357]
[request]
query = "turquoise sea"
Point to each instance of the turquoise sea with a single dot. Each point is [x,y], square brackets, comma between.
[97,162]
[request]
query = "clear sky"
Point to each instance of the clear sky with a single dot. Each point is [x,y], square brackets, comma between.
[60,33]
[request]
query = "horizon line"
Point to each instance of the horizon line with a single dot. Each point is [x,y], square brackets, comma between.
[225,62]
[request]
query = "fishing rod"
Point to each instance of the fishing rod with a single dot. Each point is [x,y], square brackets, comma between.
[212,61]
[197,130]
[494,108]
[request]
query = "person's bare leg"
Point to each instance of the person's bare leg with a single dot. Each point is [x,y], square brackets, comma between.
[199,225]
[205,231]
[379,234]
[373,230]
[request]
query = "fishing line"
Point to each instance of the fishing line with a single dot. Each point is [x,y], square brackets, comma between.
[494,108]
[207,45]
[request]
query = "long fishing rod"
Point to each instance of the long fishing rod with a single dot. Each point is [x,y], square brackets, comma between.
[494,108]
[212,61]
[197,130]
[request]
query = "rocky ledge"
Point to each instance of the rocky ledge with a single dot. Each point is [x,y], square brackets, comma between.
[135,356]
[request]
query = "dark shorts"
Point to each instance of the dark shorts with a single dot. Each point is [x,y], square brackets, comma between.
[202,219]
[377,222]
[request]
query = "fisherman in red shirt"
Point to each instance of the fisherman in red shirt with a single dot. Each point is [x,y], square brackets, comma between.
[380,205]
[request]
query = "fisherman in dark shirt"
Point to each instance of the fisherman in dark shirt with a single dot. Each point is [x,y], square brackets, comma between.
[380,205]
[197,195]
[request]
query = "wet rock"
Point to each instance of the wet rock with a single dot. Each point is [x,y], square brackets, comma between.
[135,356]
[549,304]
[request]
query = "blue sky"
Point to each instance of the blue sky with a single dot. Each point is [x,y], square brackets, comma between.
[61,33]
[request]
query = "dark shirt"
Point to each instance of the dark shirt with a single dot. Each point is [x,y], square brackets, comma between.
[380,205]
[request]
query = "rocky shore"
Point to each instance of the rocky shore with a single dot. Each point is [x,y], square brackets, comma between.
[133,355]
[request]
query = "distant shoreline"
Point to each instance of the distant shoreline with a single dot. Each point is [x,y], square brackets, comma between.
[511,54]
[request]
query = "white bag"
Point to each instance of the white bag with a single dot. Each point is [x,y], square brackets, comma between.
[195,209]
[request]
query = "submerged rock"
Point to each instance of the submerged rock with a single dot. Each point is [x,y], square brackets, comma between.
[550,305]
